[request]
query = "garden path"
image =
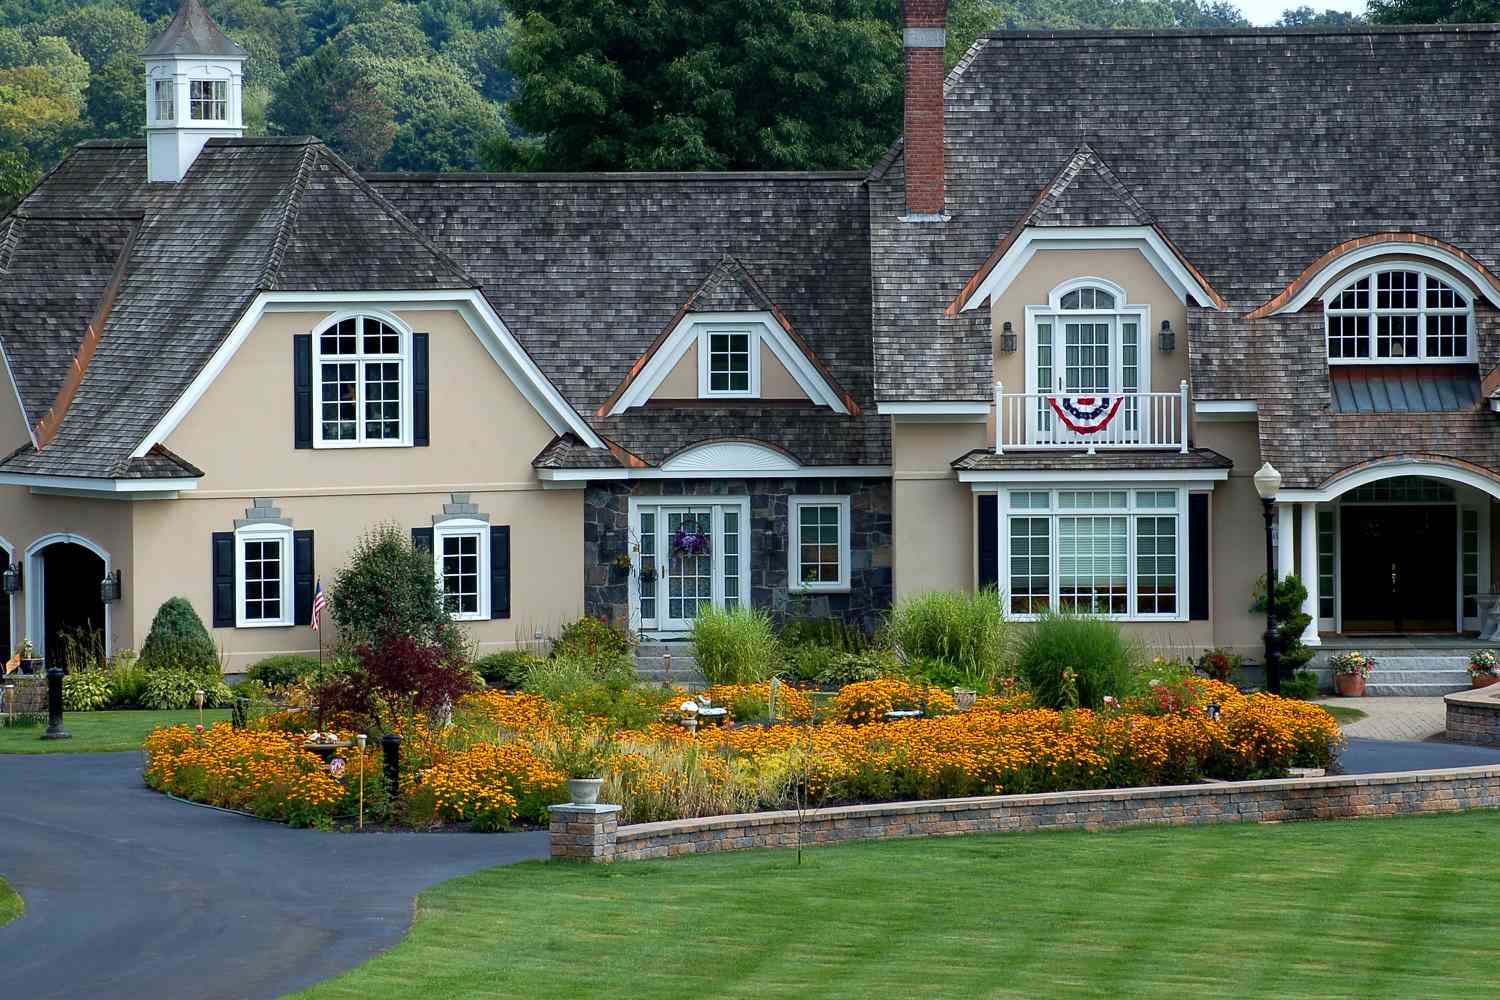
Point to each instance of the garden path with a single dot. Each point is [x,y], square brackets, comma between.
[129,894]
[1390,718]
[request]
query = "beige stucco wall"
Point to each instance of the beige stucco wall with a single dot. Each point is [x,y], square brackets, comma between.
[13,431]
[932,514]
[1126,268]
[775,381]
[26,517]
[1237,536]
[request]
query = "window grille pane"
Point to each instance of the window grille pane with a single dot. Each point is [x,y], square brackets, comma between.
[1447,336]
[1091,499]
[208,100]
[1356,296]
[262,573]
[1326,598]
[1349,336]
[166,100]
[818,544]
[382,400]
[1470,561]
[381,339]
[1401,489]
[1092,555]
[647,578]
[1030,565]
[1397,289]
[730,545]
[1156,565]
[689,577]
[1071,299]
[1157,499]
[1086,357]
[461,573]
[340,397]
[1029,500]
[339,339]
[729,362]
[1396,336]
[1441,295]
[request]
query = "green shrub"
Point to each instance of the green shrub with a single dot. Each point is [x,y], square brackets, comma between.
[1291,621]
[127,684]
[936,673]
[1101,659]
[506,668]
[594,637]
[389,587]
[282,671]
[85,692]
[807,662]
[1220,664]
[178,639]
[1302,685]
[851,668]
[173,689]
[968,631]
[832,633]
[735,646]
[595,687]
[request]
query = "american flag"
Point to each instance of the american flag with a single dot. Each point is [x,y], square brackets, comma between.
[319,603]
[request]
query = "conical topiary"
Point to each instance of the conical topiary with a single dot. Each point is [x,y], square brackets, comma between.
[178,638]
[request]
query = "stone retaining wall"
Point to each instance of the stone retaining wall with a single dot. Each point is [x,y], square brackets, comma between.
[1474,716]
[585,833]
[30,694]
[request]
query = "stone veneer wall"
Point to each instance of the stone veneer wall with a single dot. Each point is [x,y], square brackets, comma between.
[592,836]
[606,534]
[1473,717]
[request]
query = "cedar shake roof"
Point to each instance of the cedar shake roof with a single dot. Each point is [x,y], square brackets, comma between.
[985,460]
[194,33]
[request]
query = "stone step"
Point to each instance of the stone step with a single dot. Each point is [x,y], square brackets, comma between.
[1404,690]
[651,663]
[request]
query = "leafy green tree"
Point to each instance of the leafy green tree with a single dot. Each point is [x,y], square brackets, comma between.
[444,139]
[113,102]
[1307,17]
[99,32]
[1433,11]
[389,588]
[17,174]
[332,97]
[394,31]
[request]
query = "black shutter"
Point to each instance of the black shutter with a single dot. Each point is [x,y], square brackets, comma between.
[223,579]
[988,531]
[420,430]
[1198,556]
[421,539]
[302,575]
[302,394]
[500,571]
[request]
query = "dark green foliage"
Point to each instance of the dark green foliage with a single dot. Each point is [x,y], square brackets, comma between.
[282,671]
[1433,11]
[601,687]
[1303,684]
[389,587]
[506,669]
[848,668]
[1101,660]
[594,637]
[968,632]
[127,685]
[178,639]
[1307,17]
[177,689]
[810,647]
[1291,620]
[86,692]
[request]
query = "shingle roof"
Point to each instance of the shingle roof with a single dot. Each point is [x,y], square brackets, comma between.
[1404,388]
[194,33]
[567,452]
[981,459]
[588,269]
[1086,192]
[251,214]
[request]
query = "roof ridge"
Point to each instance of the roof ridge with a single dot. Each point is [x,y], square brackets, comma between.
[1046,34]
[632,176]
[288,221]
[1085,157]
[9,240]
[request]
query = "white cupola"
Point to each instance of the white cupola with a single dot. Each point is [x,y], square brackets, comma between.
[193,89]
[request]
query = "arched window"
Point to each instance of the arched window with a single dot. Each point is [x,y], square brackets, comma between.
[1398,314]
[1086,339]
[362,369]
[1088,297]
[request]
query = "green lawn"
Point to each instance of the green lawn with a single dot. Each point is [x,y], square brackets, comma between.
[10,903]
[1344,715]
[1355,909]
[122,730]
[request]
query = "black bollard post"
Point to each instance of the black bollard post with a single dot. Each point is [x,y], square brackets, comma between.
[55,730]
[390,747]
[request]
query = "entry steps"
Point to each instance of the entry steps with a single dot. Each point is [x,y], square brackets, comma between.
[1409,673]
[651,664]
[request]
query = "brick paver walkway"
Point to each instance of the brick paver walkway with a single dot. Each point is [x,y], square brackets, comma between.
[1394,718]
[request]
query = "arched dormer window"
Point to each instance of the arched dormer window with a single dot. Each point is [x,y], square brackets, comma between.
[1390,315]
[362,382]
[1086,339]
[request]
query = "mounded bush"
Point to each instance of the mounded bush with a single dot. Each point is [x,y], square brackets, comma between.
[737,646]
[281,671]
[594,637]
[86,692]
[966,631]
[597,688]
[1070,660]
[172,690]
[506,668]
[178,639]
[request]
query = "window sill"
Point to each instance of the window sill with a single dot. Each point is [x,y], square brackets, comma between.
[346,445]
[472,616]
[276,624]
[819,588]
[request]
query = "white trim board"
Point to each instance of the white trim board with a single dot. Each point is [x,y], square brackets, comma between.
[126,488]
[691,329]
[554,476]
[1148,241]
[1385,248]
[936,413]
[1431,470]
[984,481]
[470,303]
[1222,411]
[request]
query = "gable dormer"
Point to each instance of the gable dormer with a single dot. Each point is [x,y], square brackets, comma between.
[194,78]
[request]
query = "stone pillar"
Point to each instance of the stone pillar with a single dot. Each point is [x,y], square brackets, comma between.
[1309,571]
[1285,565]
[584,833]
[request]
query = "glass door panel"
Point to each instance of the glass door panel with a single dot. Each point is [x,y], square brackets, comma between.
[688,574]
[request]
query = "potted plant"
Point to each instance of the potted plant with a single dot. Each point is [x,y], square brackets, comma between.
[30,662]
[581,755]
[1350,671]
[1484,668]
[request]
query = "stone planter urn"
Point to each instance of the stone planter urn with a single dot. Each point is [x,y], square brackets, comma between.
[1349,685]
[1483,680]
[33,665]
[585,791]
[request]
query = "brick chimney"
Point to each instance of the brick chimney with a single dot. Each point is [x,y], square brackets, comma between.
[924,34]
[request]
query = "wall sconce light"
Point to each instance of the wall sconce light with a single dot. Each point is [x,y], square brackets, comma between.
[1168,338]
[109,588]
[10,580]
[1008,338]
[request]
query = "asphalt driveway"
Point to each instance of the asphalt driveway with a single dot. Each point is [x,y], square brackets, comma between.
[130,894]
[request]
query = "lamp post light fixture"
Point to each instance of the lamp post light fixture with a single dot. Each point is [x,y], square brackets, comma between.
[109,588]
[1168,339]
[10,580]
[1007,338]
[1268,484]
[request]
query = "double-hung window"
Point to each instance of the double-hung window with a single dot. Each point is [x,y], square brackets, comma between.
[363,384]
[264,595]
[208,100]
[1114,552]
[819,543]
[461,554]
[728,362]
[164,100]
[1398,315]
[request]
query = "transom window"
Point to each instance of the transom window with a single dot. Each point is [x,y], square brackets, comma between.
[461,553]
[730,371]
[819,543]
[208,100]
[1384,315]
[1090,297]
[164,100]
[363,384]
[264,580]
[1097,551]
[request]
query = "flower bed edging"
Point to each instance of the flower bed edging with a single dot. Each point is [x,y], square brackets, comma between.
[585,833]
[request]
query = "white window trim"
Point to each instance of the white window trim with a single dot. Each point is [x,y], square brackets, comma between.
[1131,511]
[459,528]
[1054,313]
[1421,312]
[405,359]
[157,85]
[795,583]
[751,332]
[213,84]
[261,533]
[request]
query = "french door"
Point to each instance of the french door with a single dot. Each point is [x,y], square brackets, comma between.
[685,557]
[1085,356]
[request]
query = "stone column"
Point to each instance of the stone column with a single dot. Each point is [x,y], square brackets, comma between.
[1309,571]
[584,833]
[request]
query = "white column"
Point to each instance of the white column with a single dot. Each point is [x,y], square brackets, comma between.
[1309,572]
[1284,561]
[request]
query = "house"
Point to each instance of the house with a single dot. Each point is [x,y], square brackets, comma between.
[1043,345]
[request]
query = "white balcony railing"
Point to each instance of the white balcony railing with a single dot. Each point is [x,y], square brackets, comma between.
[1073,421]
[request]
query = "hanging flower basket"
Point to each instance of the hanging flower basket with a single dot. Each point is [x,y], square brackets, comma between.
[690,542]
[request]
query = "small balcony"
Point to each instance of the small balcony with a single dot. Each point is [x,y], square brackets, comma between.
[1060,421]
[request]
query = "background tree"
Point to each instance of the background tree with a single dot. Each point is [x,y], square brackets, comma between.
[1307,17]
[1433,11]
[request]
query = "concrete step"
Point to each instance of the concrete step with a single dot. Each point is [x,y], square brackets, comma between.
[651,663]
[1407,675]
[1413,690]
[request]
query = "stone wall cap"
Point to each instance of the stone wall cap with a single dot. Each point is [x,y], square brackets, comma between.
[596,809]
[1485,697]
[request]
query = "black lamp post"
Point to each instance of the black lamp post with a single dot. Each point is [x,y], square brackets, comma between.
[1267,484]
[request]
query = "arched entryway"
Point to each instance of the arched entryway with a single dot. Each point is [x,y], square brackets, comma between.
[8,615]
[63,574]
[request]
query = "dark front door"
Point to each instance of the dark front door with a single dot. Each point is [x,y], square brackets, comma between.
[1399,569]
[72,606]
